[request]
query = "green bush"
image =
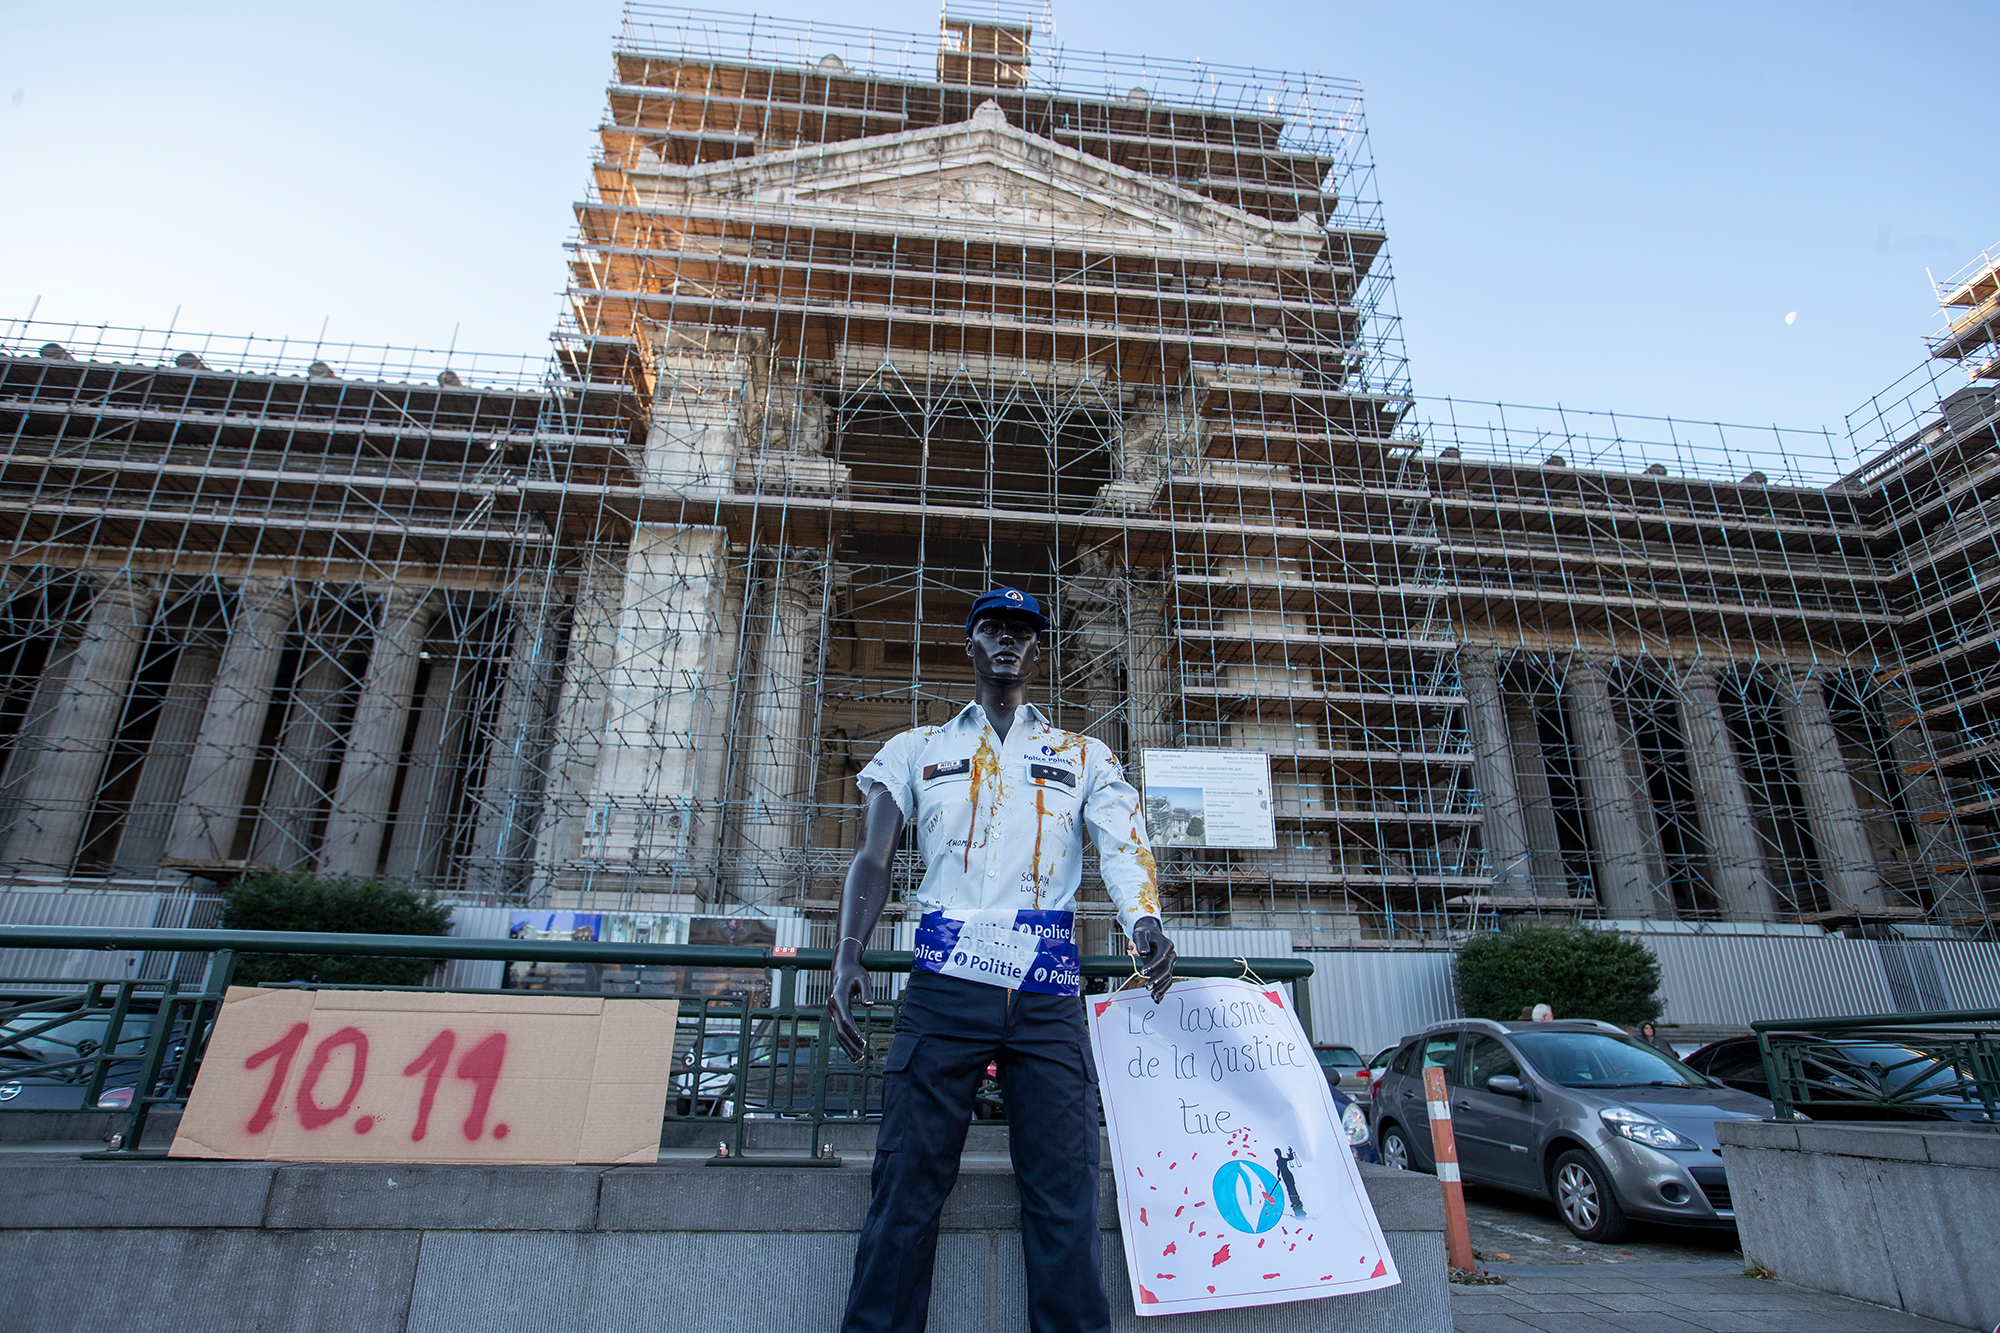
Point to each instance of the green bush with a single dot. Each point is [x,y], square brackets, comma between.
[1579,973]
[340,904]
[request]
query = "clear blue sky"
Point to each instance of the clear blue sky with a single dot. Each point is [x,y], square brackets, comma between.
[1606,206]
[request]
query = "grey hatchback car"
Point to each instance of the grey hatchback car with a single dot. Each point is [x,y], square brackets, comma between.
[1577,1112]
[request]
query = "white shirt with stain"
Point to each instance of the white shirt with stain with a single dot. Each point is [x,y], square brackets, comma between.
[1000,822]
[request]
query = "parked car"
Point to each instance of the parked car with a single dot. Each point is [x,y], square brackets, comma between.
[1343,1067]
[1851,1077]
[1354,1120]
[1576,1112]
[39,1051]
[1376,1064]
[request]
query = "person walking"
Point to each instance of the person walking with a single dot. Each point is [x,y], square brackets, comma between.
[1651,1036]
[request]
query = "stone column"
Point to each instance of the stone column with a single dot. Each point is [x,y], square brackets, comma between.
[577,725]
[163,772]
[510,790]
[1531,787]
[1149,668]
[1504,832]
[1831,809]
[665,666]
[225,750]
[1727,822]
[295,792]
[360,813]
[62,786]
[1617,803]
[433,773]
[709,834]
[774,744]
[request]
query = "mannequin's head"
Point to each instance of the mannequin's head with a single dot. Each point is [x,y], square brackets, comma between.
[1004,647]
[1003,637]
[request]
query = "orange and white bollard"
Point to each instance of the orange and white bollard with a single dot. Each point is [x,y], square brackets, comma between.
[1444,1149]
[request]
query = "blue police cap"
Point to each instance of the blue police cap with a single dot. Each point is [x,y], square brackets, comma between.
[1013,600]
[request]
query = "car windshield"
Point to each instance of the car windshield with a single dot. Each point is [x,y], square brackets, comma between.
[61,1042]
[1903,1069]
[1339,1057]
[1599,1060]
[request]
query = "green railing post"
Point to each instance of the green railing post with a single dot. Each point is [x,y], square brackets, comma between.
[114,1028]
[149,1072]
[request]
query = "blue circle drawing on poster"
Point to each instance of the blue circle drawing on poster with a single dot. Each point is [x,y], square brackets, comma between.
[1247,1197]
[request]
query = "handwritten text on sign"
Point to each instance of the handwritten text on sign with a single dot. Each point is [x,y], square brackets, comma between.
[398,1077]
[1236,1185]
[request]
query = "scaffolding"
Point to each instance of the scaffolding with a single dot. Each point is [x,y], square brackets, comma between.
[921,315]
[860,324]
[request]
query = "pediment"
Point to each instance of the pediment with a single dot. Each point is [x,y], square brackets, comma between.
[979,178]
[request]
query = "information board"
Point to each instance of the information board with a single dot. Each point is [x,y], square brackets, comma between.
[1209,798]
[1236,1184]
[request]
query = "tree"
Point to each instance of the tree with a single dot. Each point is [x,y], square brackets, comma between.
[339,904]
[1578,972]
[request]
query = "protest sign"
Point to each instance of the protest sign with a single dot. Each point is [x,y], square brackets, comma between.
[1236,1184]
[388,1076]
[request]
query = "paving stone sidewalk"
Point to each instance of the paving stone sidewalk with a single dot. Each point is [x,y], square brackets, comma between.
[1707,1296]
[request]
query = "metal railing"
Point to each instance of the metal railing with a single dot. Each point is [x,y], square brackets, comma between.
[136,1046]
[1922,1066]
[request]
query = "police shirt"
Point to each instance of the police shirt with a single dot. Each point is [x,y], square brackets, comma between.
[1000,826]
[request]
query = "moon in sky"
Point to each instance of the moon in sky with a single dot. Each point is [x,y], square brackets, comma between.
[1792,318]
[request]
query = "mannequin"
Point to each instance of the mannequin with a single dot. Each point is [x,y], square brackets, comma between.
[1001,800]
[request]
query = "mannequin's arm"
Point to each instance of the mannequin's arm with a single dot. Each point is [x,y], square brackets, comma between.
[861,904]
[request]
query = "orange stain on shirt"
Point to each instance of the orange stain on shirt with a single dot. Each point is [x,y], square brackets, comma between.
[1037,862]
[985,763]
[1149,897]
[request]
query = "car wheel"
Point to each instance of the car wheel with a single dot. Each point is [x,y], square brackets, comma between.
[1394,1147]
[1584,1197]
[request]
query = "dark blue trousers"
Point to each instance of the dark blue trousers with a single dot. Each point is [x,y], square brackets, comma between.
[947,1034]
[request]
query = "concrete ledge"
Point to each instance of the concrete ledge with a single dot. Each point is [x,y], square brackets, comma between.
[1903,1215]
[421,1198]
[63,1192]
[175,1246]
[1945,1142]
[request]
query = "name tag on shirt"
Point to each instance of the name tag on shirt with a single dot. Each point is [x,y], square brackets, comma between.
[1042,774]
[992,952]
[955,768]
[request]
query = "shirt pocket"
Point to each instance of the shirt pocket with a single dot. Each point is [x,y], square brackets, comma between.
[945,775]
[1060,788]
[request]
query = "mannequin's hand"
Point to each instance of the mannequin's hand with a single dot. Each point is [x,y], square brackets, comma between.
[850,982]
[1156,955]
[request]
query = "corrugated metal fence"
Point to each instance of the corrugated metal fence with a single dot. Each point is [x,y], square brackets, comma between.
[174,910]
[1368,998]
[1735,980]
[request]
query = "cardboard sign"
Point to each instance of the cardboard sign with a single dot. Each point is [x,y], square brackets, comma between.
[382,1076]
[1236,1185]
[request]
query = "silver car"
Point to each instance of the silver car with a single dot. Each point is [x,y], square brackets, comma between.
[1577,1112]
